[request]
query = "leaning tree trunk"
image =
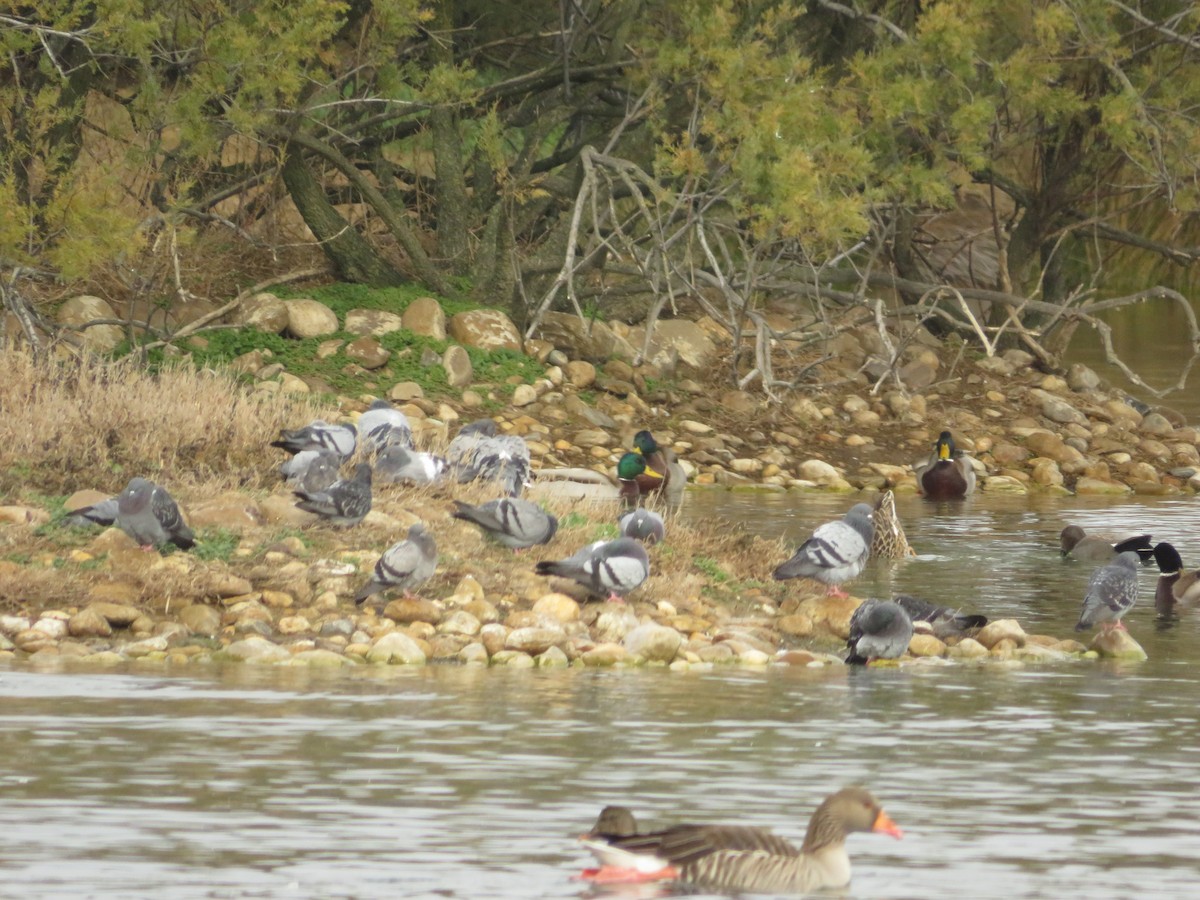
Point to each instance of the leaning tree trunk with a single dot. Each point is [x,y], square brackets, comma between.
[354,258]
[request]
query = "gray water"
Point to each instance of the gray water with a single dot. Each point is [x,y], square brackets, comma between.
[1063,781]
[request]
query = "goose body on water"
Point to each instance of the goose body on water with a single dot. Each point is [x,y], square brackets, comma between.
[836,552]
[744,859]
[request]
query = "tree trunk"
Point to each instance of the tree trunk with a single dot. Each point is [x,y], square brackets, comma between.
[453,205]
[354,258]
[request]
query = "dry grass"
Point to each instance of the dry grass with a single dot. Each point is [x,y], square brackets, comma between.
[95,423]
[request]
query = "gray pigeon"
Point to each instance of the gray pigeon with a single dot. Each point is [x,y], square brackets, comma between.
[147,514]
[395,463]
[514,523]
[405,565]
[345,502]
[311,470]
[477,452]
[648,527]
[612,568]
[382,425]
[836,552]
[879,629]
[1111,593]
[319,435]
[102,513]
[942,620]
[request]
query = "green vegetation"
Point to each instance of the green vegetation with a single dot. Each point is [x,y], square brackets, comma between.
[216,543]
[711,569]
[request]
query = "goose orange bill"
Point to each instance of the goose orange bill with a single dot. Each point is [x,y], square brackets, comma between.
[884,825]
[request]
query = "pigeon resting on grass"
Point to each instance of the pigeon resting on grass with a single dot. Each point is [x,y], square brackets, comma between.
[612,568]
[311,470]
[648,527]
[382,425]
[400,464]
[404,565]
[319,435]
[477,452]
[101,513]
[879,629]
[345,502]
[147,514]
[1111,593]
[836,552]
[514,523]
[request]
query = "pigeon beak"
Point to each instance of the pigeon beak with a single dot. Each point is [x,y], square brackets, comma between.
[885,825]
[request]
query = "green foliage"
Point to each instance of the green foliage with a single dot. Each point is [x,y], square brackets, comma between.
[605,531]
[711,569]
[573,520]
[216,543]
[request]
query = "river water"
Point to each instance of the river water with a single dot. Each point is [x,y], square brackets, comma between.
[1060,781]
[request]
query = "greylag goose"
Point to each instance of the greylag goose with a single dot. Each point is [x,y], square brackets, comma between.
[744,859]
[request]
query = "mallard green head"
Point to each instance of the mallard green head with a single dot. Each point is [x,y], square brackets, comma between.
[945,445]
[630,466]
[645,443]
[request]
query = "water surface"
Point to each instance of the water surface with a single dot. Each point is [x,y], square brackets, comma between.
[1061,781]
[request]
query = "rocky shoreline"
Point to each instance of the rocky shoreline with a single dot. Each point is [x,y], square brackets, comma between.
[281,594]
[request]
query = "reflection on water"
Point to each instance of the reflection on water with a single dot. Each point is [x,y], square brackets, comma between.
[445,782]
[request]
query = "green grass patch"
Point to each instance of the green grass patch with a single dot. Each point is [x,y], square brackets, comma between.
[711,569]
[573,520]
[605,531]
[216,543]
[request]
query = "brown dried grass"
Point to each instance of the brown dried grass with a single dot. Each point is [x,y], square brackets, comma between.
[95,423]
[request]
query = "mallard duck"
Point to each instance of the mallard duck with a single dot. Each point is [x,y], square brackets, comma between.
[948,475]
[836,552]
[631,469]
[879,629]
[888,540]
[742,859]
[1174,584]
[664,473]
[1111,593]
[1101,548]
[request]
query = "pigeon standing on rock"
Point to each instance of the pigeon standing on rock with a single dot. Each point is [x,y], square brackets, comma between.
[382,425]
[477,452]
[147,514]
[345,502]
[395,464]
[311,470]
[642,524]
[879,629]
[513,522]
[404,565]
[319,435]
[1111,593]
[836,552]
[612,568]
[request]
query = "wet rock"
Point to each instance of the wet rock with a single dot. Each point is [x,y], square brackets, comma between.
[967,648]
[396,648]
[653,643]
[926,645]
[310,318]
[201,619]
[118,615]
[89,623]
[1117,644]
[473,655]
[534,639]
[1000,629]
[405,611]
[256,649]
[822,473]
[606,654]
[553,658]
[1088,485]
[459,622]
[830,614]
[493,637]
[319,658]
[1002,484]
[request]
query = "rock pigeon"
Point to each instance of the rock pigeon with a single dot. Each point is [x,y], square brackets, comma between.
[1101,548]
[319,435]
[513,522]
[395,464]
[102,513]
[147,514]
[648,527]
[941,620]
[879,629]
[733,859]
[404,565]
[1175,586]
[477,452]
[345,502]
[311,470]
[382,425]
[948,475]
[612,568]
[836,552]
[1111,593]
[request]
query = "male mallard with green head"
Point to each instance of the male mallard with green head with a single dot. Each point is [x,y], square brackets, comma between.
[948,475]
[664,472]
[631,472]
